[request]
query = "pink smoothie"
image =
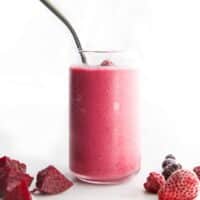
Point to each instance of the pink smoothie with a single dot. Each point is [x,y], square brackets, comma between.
[104,138]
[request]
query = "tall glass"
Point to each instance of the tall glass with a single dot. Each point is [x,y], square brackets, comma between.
[104,133]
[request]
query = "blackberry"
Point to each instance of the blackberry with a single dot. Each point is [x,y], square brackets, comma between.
[167,162]
[170,156]
[170,169]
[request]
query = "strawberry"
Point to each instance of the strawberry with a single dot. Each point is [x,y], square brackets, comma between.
[154,182]
[181,185]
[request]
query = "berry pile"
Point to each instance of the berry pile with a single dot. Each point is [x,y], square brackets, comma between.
[174,183]
[14,181]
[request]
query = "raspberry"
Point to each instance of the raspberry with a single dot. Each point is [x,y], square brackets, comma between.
[171,156]
[197,171]
[107,63]
[170,169]
[154,182]
[167,162]
[51,181]
[181,185]
[19,192]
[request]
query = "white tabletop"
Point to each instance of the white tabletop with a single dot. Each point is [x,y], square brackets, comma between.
[130,189]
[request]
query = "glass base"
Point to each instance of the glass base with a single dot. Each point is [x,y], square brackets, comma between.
[91,180]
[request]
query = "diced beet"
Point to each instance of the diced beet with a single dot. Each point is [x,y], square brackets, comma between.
[4,172]
[19,166]
[14,164]
[9,179]
[52,181]
[11,173]
[14,180]
[19,192]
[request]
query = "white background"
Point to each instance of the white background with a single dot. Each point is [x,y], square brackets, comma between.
[36,51]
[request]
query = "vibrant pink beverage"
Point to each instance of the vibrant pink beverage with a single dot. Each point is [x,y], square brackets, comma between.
[104,137]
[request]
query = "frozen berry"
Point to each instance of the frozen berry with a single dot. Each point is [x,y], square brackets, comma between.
[167,162]
[107,63]
[170,169]
[154,182]
[51,181]
[171,156]
[19,192]
[197,171]
[182,185]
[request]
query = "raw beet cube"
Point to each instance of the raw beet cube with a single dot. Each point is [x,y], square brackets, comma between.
[9,179]
[11,173]
[14,180]
[19,192]
[3,180]
[52,181]
[18,166]
[13,164]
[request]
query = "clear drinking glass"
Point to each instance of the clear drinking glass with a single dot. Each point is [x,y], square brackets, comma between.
[104,132]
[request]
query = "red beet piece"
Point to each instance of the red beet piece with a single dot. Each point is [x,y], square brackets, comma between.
[9,179]
[15,179]
[11,173]
[13,164]
[19,192]
[52,181]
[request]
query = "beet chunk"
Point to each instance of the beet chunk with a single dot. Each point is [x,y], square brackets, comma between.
[15,179]
[12,172]
[52,181]
[13,164]
[19,192]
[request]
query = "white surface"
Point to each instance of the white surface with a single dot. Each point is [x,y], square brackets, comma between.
[35,53]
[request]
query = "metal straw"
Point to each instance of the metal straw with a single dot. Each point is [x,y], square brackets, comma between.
[69,26]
